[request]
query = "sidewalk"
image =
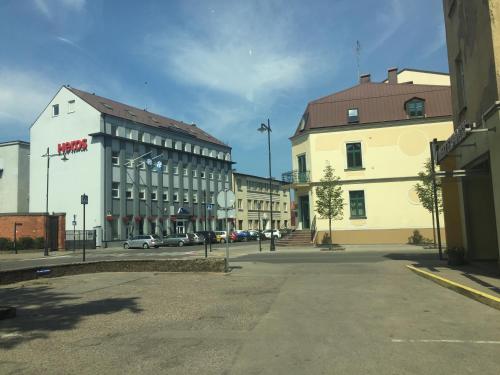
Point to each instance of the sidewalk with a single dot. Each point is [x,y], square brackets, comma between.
[478,280]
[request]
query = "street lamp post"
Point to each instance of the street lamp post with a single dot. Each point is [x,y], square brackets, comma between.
[48,155]
[263,128]
[258,216]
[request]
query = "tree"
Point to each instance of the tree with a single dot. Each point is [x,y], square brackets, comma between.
[329,202]
[425,192]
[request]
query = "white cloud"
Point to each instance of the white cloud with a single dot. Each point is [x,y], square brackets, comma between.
[238,49]
[23,95]
[388,22]
[46,7]
[438,43]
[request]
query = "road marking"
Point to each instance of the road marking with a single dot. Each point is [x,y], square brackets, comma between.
[446,341]
[10,335]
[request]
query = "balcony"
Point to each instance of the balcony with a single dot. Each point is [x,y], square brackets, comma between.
[296,177]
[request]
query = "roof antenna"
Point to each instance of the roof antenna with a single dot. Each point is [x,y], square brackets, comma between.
[358,57]
[146,106]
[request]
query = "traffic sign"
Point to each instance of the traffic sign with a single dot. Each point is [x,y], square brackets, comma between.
[226,198]
[210,206]
[85,199]
[231,214]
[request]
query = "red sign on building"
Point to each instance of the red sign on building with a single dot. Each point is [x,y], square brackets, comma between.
[73,146]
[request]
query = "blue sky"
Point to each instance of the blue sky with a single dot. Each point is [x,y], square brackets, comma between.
[225,65]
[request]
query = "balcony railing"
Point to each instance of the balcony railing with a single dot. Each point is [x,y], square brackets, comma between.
[296,177]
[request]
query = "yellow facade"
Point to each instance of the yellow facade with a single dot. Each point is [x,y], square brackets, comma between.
[392,155]
[423,78]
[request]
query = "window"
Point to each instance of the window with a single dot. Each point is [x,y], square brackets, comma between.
[415,108]
[114,130]
[195,197]
[55,110]
[128,192]
[115,189]
[140,137]
[227,178]
[176,196]
[238,182]
[195,173]
[165,195]
[202,174]
[303,121]
[352,115]
[185,197]
[354,160]
[71,106]
[357,204]
[142,194]
[240,204]
[176,170]
[154,195]
[212,198]
[115,158]
[285,208]
[185,171]
[211,175]
[128,133]
[249,204]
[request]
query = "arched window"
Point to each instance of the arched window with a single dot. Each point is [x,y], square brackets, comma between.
[415,108]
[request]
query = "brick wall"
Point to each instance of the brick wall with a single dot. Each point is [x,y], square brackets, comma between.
[33,225]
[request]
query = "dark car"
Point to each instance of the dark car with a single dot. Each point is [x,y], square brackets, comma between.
[208,234]
[254,235]
[242,235]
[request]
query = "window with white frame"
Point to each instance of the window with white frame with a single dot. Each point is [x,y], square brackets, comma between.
[185,171]
[165,195]
[211,175]
[249,204]
[195,173]
[115,157]
[55,110]
[142,194]
[129,192]
[285,208]
[240,204]
[195,197]
[154,195]
[185,197]
[176,170]
[227,177]
[115,190]
[212,198]
[128,133]
[175,196]
[202,174]
[71,106]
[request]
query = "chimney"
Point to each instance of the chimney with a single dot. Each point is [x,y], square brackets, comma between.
[364,78]
[392,75]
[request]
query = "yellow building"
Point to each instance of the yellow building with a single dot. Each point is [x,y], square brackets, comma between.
[472,203]
[253,203]
[376,136]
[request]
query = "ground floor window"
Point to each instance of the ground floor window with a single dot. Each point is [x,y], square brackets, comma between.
[240,224]
[180,227]
[114,229]
[357,204]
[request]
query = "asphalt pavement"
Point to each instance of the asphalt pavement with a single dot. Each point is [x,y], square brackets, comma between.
[294,311]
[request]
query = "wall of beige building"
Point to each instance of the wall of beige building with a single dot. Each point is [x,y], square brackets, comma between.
[392,157]
[473,40]
[251,190]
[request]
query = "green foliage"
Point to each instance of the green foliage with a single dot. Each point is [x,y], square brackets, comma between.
[25,243]
[417,239]
[329,202]
[6,244]
[424,188]
[39,243]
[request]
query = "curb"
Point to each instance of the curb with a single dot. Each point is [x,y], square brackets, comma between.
[474,294]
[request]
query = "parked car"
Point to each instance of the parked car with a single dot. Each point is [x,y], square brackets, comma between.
[276,233]
[242,235]
[254,235]
[179,239]
[198,238]
[233,237]
[208,234]
[221,236]
[145,241]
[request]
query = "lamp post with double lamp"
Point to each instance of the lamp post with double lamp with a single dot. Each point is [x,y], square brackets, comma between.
[48,155]
[263,128]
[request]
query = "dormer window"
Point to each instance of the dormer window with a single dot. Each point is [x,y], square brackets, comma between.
[415,108]
[303,121]
[352,115]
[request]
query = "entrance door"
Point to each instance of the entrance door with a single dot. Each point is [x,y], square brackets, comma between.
[180,227]
[304,211]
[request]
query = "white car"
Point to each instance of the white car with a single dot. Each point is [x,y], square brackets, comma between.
[276,233]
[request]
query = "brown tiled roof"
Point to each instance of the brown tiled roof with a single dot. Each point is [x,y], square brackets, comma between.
[117,109]
[376,102]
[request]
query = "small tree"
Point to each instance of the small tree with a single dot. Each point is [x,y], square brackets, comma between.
[329,202]
[425,193]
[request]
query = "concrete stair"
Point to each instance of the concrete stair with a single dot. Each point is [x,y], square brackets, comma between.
[296,238]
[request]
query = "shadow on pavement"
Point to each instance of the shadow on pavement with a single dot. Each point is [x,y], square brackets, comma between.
[41,311]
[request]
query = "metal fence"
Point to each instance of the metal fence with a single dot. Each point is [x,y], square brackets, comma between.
[74,239]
